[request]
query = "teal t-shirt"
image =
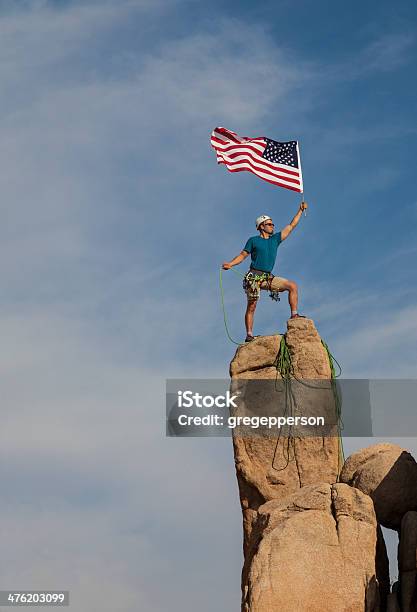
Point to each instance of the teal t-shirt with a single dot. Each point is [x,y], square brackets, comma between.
[263,251]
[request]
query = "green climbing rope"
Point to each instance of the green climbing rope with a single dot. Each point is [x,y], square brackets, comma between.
[224,310]
[283,362]
[332,361]
[285,369]
[338,404]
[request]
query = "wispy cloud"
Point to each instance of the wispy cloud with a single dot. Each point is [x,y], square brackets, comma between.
[211,76]
[381,53]
[385,348]
[385,54]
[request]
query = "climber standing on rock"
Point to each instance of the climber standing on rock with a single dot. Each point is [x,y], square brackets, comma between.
[263,252]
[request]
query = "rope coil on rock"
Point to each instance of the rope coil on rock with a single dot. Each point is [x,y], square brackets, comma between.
[285,369]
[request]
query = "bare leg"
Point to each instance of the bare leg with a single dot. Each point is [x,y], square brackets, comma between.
[292,289]
[293,296]
[249,315]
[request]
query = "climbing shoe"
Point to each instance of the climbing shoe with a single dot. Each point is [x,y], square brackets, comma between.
[250,338]
[297,316]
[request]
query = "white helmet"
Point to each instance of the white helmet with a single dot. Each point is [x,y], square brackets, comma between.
[261,219]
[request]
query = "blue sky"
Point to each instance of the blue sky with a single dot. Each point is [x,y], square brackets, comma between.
[115,221]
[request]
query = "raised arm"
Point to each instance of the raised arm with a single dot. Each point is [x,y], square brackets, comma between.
[289,228]
[234,262]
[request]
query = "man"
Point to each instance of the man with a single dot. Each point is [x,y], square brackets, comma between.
[263,252]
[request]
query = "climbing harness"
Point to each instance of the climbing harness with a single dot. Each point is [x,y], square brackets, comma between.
[252,284]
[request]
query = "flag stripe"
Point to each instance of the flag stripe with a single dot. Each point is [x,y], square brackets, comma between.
[225,133]
[257,147]
[255,164]
[261,171]
[228,135]
[221,138]
[273,182]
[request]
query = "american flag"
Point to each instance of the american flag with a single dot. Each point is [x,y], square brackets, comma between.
[275,162]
